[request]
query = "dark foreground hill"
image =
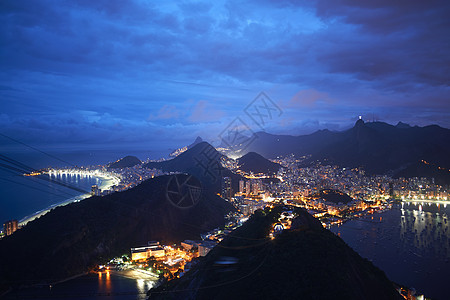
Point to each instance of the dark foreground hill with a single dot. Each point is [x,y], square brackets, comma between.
[126,162]
[306,262]
[71,239]
[253,162]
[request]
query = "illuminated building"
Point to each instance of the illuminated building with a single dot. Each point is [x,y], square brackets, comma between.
[257,186]
[95,191]
[157,252]
[10,227]
[205,247]
[241,186]
[153,249]
[226,188]
[245,209]
[139,253]
[189,245]
[248,187]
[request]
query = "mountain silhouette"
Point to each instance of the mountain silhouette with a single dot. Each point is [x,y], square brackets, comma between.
[176,152]
[204,162]
[253,162]
[198,140]
[72,239]
[330,195]
[126,162]
[376,146]
[304,262]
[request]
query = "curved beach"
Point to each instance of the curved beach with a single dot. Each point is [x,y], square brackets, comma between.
[106,183]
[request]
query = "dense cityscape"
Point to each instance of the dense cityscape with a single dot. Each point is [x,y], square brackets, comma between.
[331,194]
[292,185]
[224,150]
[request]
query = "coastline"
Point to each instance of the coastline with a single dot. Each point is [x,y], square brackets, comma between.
[445,202]
[106,183]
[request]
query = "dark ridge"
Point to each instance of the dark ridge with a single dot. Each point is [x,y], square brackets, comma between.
[359,123]
[71,239]
[422,169]
[126,162]
[334,196]
[378,147]
[306,262]
[198,140]
[253,162]
[402,125]
[204,162]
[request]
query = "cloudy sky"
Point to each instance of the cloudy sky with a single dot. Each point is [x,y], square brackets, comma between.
[155,74]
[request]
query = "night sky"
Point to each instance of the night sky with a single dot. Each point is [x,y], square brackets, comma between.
[140,74]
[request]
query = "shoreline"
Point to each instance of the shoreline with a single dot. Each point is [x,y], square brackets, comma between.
[135,275]
[426,201]
[106,183]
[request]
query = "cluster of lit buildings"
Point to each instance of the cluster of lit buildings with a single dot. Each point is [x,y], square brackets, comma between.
[122,178]
[300,186]
[173,260]
[284,222]
[250,187]
[250,196]
[178,151]
[419,189]
[132,176]
[302,182]
[10,227]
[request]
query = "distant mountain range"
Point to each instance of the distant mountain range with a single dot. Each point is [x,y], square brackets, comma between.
[71,239]
[305,262]
[253,162]
[378,147]
[126,162]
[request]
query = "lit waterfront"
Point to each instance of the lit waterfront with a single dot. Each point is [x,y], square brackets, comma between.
[113,179]
[428,201]
[73,177]
[410,243]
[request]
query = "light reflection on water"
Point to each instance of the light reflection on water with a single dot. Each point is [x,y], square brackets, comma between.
[76,179]
[144,286]
[113,285]
[426,226]
[410,242]
[103,285]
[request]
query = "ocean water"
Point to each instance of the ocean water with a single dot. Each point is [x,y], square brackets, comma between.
[22,196]
[92,286]
[410,243]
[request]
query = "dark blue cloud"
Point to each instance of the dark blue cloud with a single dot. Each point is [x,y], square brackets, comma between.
[113,71]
